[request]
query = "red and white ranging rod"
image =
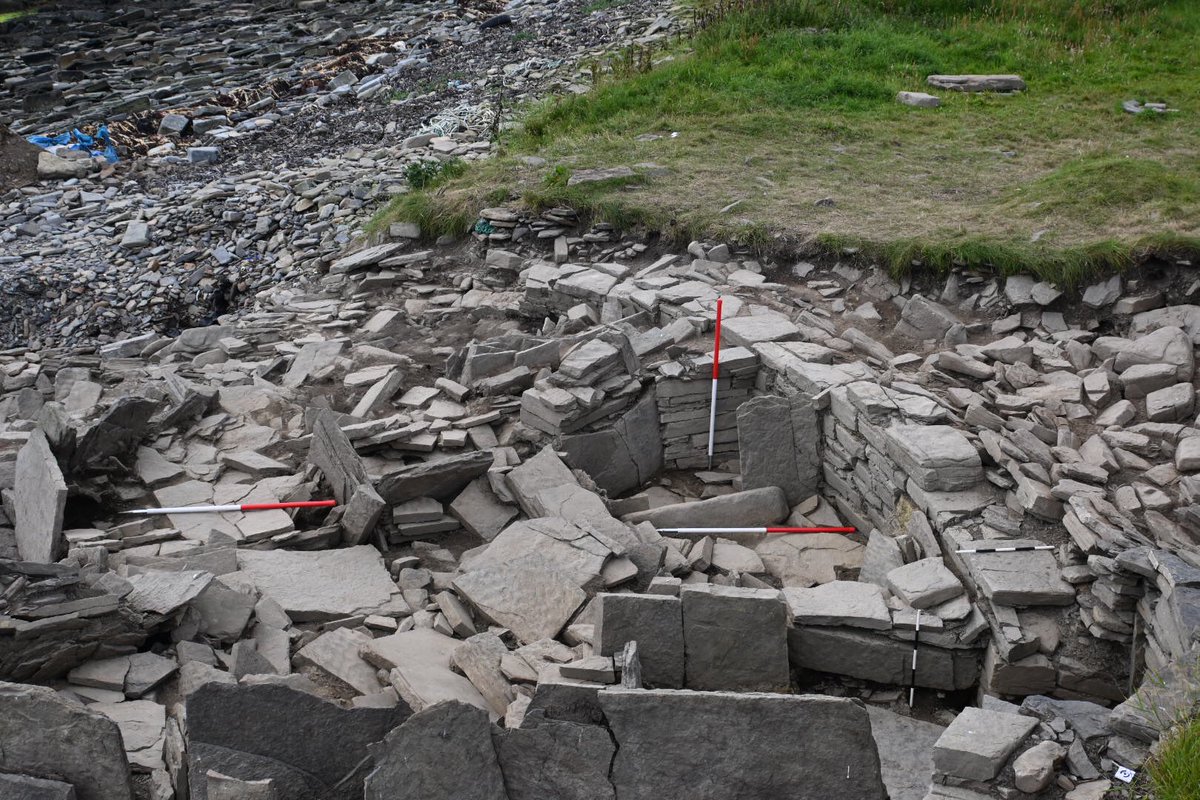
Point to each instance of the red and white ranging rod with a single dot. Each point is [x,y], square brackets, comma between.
[222,509]
[758,530]
[712,413]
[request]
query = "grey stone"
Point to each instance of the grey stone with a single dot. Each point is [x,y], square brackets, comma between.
[1104,293]
[881,557]
[40,500]
[918,99]
[924,583]
[162,593]
[441,479]
[923,319]
[778,445]
[223,787]
[147,671]
[143,725]
[479,659]
[1030,578]
[870,656]
[734,638]
[936,457]
[757,328]
[769,749]
[44,736]
[480,511]
[655,622]
[336,653]
[1089,720]
[855,605]
[419,662]
[556,759]
[905,748]
[532,598]
[978,83]
[323,585]
[442,753]
[805,559]
[978,742]
[1035,768]
[284,731]
[23,787]
[115,434]
[624,456]
[753,507]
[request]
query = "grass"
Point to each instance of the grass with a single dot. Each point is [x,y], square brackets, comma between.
[9,16]
[793,101]
[1175,770]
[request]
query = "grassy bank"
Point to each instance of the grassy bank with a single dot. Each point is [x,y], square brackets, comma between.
[793,102]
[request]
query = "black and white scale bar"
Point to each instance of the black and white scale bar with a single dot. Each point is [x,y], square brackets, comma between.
[1020,549]
[912,685]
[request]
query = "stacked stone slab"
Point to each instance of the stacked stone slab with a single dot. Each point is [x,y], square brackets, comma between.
[684,406]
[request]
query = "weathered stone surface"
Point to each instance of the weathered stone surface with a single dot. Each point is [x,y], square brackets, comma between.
[419,662]
[779,445]
[320,585]
[624,456]
[923,319]
[773,746]
[571,550]
[924,583]
[45,736]
[23,787]
[874,657]
[936,457]
[978,83]
[1035,768]
[268,731]
[116,433]
[533,599]
[441,479]
[162,593]
[734,638]
[756,328]
[1030,578]
[978,742]
[905,748]
[40,499]
[556,759]
[480,511]
[849,603]
[142,724]
[753,507]
[479,658]
[331,452]
[655,622]
[336,653]
[223,787]
[803,559]
[442,753]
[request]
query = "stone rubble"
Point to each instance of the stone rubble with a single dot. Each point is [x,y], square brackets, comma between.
[506,428]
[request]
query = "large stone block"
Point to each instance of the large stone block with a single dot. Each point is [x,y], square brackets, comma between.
[770,746]
[735,638]
[978,742]
[936,457]
[555,759]
[320,585]
[244,729]
[442,753]
[40,498]
[877,657]
[623,456]
[779,445]
[45,736]
[753,507]
[655,622]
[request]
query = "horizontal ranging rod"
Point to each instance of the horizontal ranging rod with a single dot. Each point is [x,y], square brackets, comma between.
[757,530]
[221,509]
[1020,549]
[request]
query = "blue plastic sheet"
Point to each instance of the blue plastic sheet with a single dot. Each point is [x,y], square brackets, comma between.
[98,145]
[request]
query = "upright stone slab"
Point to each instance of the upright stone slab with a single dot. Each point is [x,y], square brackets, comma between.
[779,444]
[655,622]
[311,747]
[331,452]
[40,497]
[623,456]
[771,746]
[556,759]
[23,787]
[45,736]
[442,753]
[735,638]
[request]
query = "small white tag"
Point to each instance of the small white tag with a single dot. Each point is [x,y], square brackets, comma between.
[1124,774]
